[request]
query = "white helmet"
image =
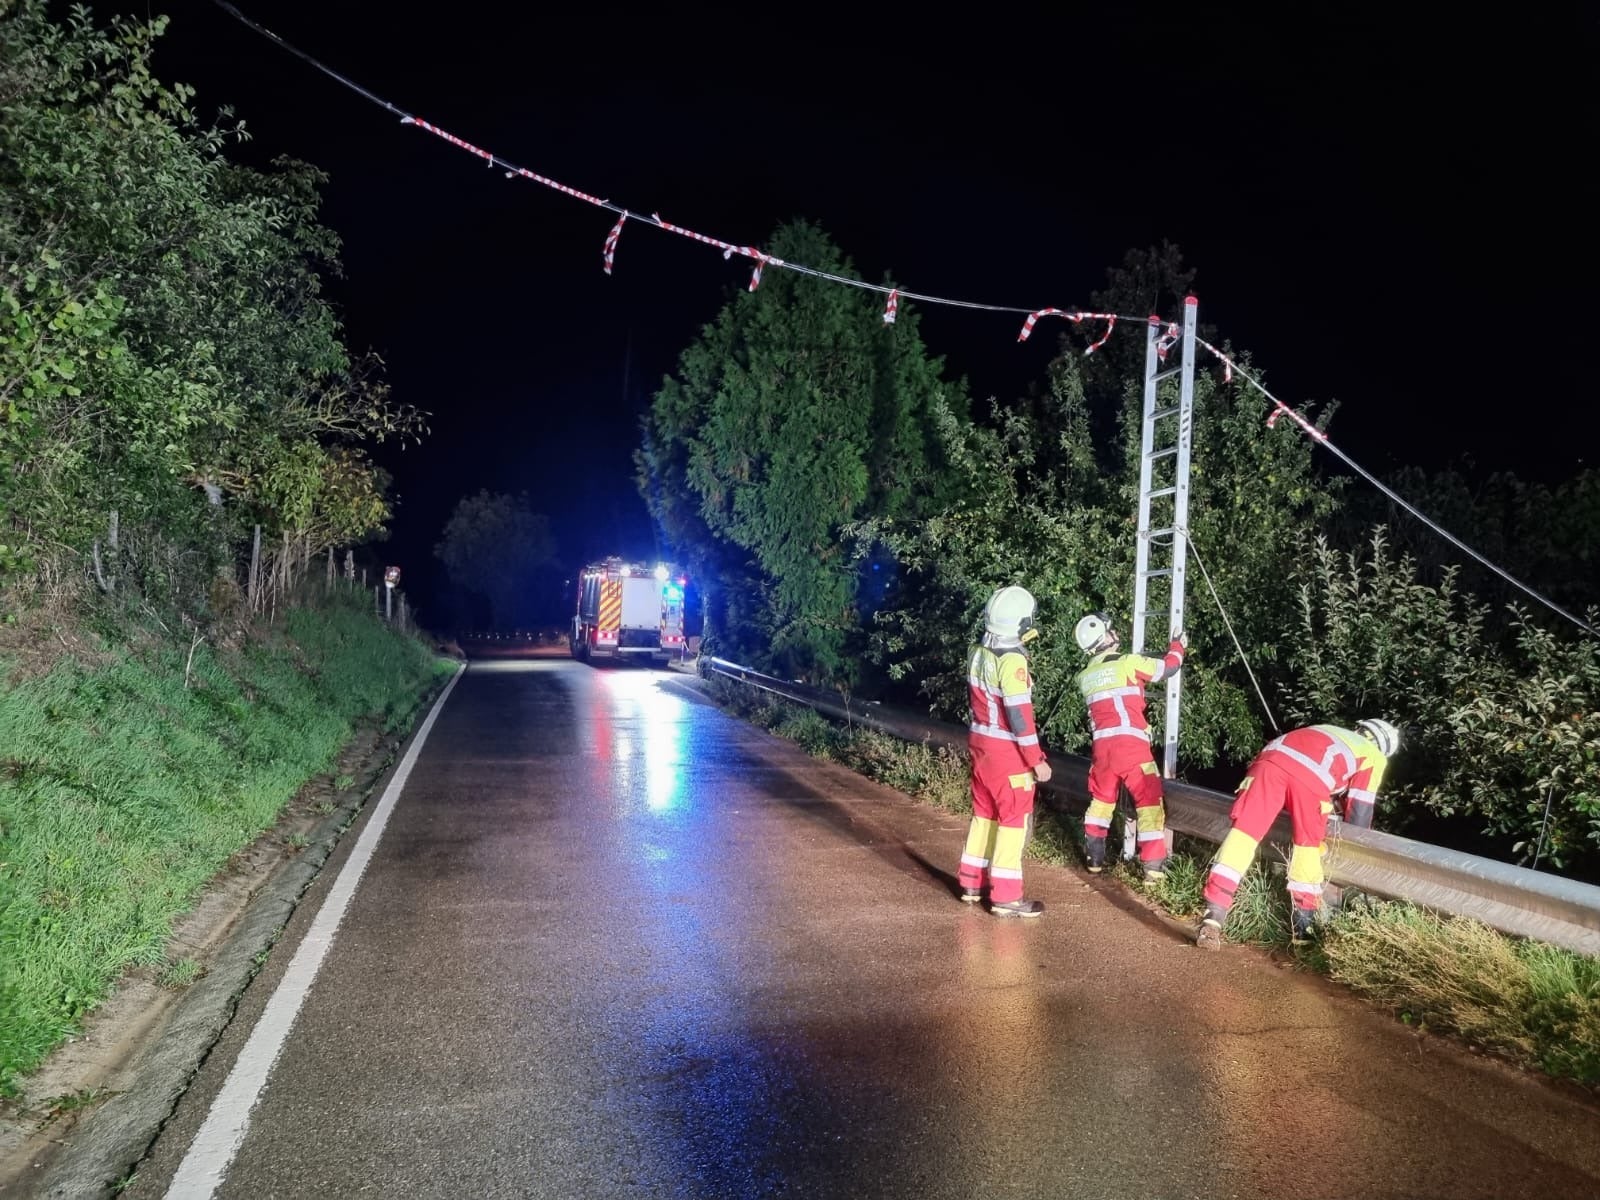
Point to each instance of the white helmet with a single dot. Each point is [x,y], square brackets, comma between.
[1008,617]
[1093,631]
[1381,734]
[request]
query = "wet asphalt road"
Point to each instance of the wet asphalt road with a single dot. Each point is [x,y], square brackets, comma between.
[616,943]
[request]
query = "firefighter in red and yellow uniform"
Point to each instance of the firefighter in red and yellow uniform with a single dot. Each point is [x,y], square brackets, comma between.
[1006,759]
[1304,769]
[1113,687]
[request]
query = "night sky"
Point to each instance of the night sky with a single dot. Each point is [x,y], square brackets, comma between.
[1387,208]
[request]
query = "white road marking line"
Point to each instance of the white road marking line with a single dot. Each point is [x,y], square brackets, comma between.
[203,1167]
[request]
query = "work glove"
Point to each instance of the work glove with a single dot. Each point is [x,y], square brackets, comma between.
[1041,772]
[1183,640]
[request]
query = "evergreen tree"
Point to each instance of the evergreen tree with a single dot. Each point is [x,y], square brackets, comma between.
[796,412]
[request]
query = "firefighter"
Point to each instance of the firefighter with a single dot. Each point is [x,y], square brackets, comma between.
[1006,758]
[1304,769]
[1113,687]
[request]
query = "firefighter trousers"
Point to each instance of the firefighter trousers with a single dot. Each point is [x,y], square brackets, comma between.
[1126,761]
[1002,817]
[1268,787]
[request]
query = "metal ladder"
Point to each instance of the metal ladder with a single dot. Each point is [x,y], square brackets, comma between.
[1162,552]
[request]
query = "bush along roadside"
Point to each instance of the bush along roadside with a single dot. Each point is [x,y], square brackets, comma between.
[127,783]
[1534,1004]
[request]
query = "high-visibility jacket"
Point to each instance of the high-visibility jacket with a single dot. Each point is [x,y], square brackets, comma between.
[1113,688]
[1001,693]
[1340,760]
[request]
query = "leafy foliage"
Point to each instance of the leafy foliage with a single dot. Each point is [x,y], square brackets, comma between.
[1497,729]
[794,413]
[166,352]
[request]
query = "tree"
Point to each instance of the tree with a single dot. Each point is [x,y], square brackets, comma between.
[497,548]
[166,354]
[796,412]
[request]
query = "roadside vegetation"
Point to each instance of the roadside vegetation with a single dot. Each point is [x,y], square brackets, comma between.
[129,779]
[1534,1004]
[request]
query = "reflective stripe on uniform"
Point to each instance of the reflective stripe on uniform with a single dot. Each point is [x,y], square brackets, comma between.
[1305,870]
[994,731]
[1122,731]
[1110,692]
[1237,852]
[1224,872]
[1362,796]
[1019,698]
[1337,752]
[972,860]
[1152,835]
[1152,819]
[1324,776]
[1006,873]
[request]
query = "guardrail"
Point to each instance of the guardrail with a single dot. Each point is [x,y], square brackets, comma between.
[1512,899]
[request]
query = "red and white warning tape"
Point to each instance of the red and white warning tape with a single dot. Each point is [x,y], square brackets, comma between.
[611,242]
[1167,340]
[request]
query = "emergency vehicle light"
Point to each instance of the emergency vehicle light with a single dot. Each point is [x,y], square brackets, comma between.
[661,573]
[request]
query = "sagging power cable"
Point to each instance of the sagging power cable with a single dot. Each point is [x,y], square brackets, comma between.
[1317,435]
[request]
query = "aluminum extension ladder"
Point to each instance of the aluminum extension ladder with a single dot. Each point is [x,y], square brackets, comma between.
[1162,554]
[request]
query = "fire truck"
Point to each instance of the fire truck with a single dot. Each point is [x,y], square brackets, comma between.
[629,610]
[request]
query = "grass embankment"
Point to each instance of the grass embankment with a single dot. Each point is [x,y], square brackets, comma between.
[1535,1004]
[122,791]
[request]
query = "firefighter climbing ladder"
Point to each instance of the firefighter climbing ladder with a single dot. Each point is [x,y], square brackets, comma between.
[1162,551]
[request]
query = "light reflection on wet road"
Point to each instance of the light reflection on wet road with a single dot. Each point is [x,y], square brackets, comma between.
[615,943]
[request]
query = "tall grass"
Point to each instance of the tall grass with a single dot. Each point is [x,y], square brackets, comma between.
[122,792]
[1531,1002]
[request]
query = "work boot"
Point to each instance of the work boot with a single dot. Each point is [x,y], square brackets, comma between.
[1096,848]
[1209,935]
[1303,927]
[971,895]
[1155,870]
[1018,908]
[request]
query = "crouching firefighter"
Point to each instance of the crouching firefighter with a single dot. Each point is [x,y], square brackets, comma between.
[1303,770]
[1006,758]
[1113,688]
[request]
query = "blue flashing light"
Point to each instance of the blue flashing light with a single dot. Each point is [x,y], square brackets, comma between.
[672,593]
